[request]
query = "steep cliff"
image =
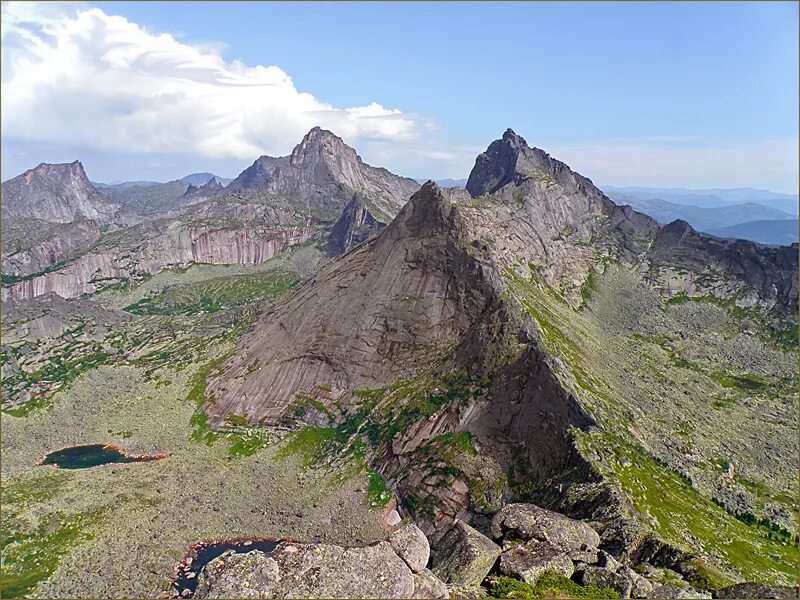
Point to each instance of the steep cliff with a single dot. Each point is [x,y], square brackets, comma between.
[272,205]
[59,193]
[324,172]
[353,226]
[533,340]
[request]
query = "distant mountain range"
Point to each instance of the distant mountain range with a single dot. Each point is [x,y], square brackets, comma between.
[195,179]
[723,213]
[764,232]
[712,198]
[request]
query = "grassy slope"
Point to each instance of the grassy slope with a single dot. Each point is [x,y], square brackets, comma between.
[679,391]
[117,530]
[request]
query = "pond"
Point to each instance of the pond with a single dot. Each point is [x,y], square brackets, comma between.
[93,455]
[185,582]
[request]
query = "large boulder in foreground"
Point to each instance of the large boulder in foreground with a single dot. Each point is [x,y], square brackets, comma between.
[429,587]
[309,571]
[529,561]
[527,522]
[604,578]
[412,546]
[464,557]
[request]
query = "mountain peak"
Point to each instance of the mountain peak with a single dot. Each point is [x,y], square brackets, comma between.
[61,171]
[59,193]
[323,172]
[497,166]
[510,136]
[510,160]
[320,142]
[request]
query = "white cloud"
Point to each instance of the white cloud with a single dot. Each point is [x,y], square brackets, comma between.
[80,76]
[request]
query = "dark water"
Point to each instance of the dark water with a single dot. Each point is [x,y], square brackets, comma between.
[206,552]
[91,455]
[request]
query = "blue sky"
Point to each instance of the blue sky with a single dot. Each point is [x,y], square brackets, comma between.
[662,94]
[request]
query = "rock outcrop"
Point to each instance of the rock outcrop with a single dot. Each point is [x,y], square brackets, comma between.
[531,560]
[244,222]
[353,226]
[134,253]
[295,570]
[464,557]
[324,172]
[57,193]
[529,522]
[411,545]
[33,246]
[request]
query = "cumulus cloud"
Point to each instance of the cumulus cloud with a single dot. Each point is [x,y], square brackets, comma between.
[79,75]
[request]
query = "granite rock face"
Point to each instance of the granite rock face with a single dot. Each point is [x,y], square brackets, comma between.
[529,561]
[353,226]
[373,317]
[464,557]
[324,172]
[526,522]
[133,253]
[33,246]
[276,203]
[411,545]
[316,571]
[604,578]
[57,193]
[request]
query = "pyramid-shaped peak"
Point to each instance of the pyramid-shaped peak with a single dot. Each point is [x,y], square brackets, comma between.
[319,141]
[507,160]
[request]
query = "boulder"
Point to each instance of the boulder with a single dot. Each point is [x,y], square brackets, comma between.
[393,518]
[604,578]
[529,561]
[527,522]
[588,557]
[468,592]
[605,560]
[310,571]
[640,586]
[674,591]
[427,585]
[412,546]
[463,557]
[757,590]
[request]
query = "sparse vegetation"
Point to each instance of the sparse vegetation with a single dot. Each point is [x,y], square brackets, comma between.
[549,585]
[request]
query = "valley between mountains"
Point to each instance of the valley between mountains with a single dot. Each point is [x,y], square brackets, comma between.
[516,389]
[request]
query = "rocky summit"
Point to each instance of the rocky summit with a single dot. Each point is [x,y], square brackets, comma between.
[363,387]
[54,193]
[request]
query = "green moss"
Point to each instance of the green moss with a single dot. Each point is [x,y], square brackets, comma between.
[677,511]
[746,381]
[201,430]
[248,442]
[549,585]
[378,493]
[308,443]
[704,576]
[32,556]
[784,333]
[213,295]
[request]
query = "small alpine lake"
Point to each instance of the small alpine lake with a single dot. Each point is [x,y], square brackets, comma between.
[202,553]
[93,455]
